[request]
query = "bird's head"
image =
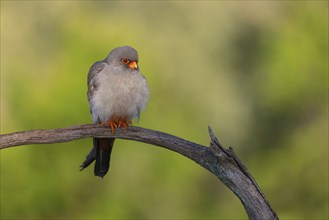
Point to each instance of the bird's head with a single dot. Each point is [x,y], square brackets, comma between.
[125,57]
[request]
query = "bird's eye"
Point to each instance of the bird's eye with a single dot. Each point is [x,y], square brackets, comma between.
[125,61]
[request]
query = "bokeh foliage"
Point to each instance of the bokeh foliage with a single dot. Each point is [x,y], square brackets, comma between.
[257,72]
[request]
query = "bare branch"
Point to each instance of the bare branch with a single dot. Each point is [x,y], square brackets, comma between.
[222,162]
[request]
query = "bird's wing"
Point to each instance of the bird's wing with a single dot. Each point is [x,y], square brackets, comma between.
[141,105]
[92,84]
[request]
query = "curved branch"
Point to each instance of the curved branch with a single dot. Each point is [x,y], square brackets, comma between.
[222,162]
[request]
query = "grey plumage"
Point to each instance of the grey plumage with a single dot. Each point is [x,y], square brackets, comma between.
[116,91]
[92,87]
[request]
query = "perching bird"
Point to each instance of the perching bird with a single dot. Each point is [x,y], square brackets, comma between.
[117,92]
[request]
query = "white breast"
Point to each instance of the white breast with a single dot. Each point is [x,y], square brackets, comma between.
[122,94]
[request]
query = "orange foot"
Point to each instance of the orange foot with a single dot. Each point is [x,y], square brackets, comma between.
[124,122]
[113,123]
[116,122]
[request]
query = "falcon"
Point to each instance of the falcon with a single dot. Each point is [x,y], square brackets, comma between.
[117,92]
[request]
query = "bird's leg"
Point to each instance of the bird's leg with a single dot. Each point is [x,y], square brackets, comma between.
[113,123]
[124,122]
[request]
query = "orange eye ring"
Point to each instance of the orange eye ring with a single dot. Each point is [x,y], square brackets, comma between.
[125,61]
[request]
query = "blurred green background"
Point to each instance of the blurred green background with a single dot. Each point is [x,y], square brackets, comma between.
[256,72]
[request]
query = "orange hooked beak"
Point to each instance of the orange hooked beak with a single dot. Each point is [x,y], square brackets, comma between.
[133,65]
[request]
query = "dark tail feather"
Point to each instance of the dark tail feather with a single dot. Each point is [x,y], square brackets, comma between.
[103,148]
[89,159]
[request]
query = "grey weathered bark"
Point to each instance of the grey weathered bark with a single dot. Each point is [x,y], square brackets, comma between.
[222,162]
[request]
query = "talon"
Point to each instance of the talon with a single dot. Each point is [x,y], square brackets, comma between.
[113,123]
[125,127]
[120,123]
[125,124]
